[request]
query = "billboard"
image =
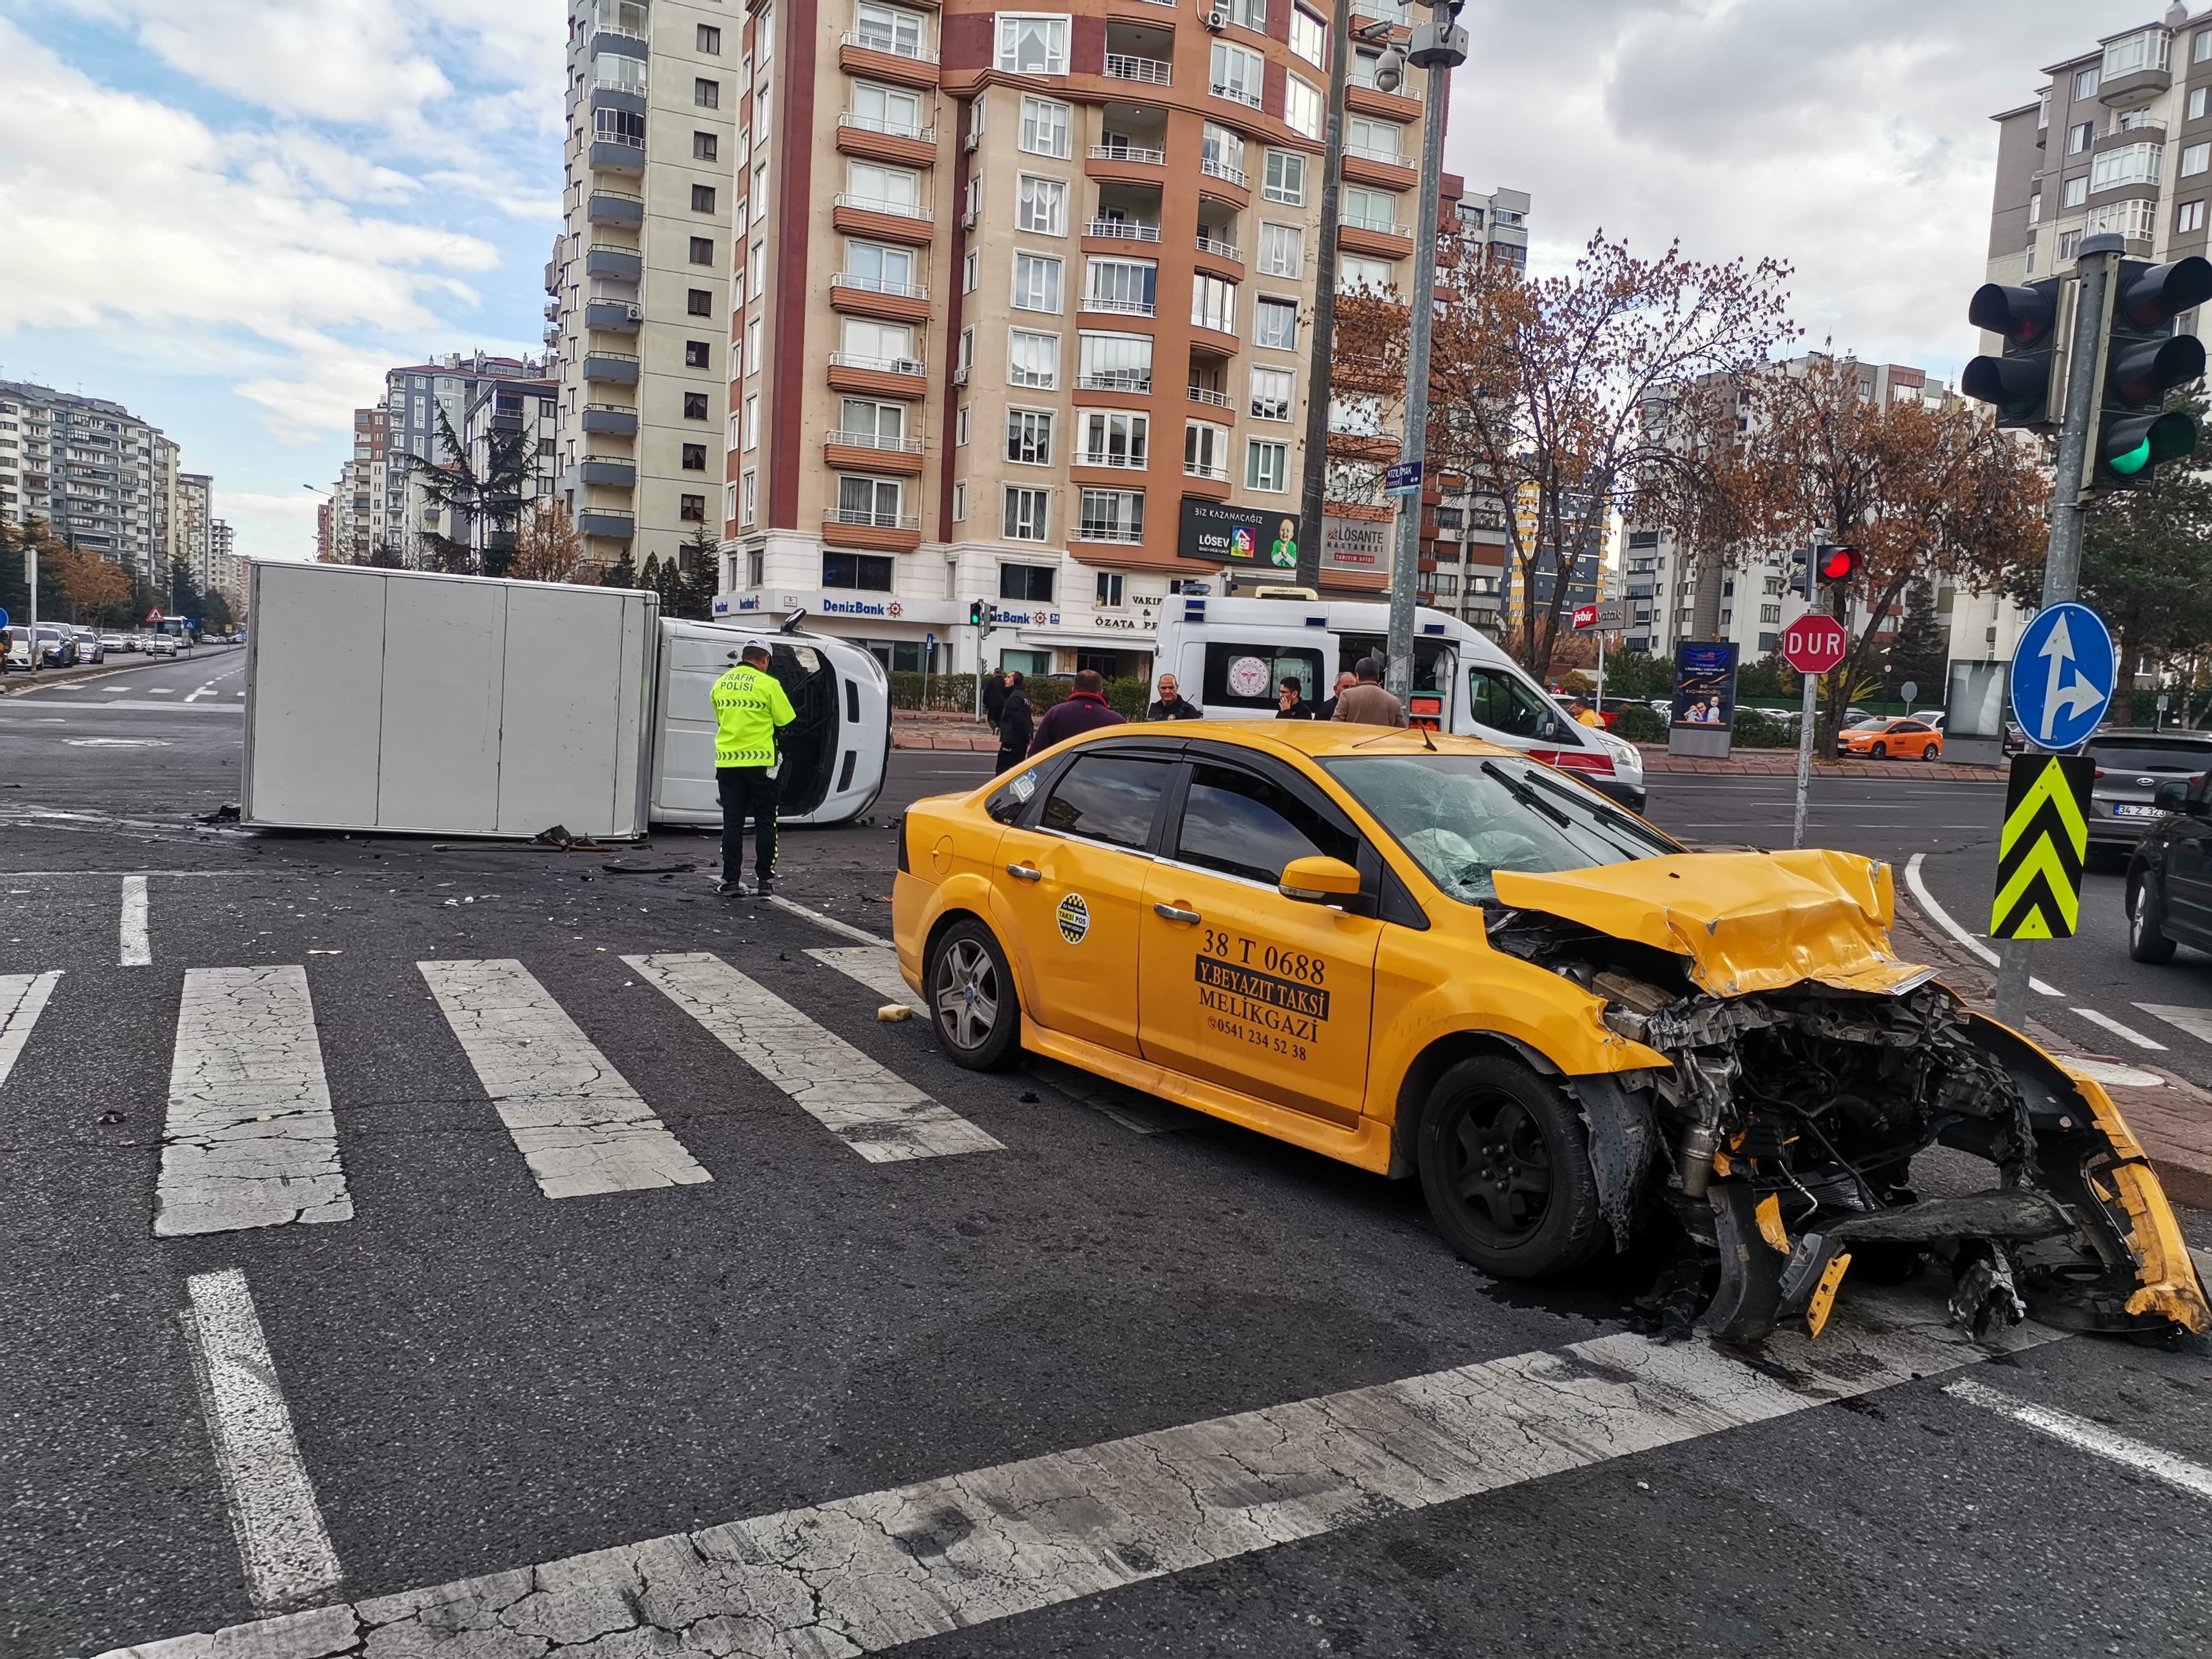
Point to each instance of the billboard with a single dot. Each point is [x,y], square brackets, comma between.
[1704,683]
[1362,544]
[1264,538]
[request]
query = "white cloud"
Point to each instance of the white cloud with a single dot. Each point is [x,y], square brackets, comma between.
[1852,140]
[268,526]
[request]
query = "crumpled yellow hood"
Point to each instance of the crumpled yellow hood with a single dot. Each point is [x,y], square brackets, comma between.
[1747,922]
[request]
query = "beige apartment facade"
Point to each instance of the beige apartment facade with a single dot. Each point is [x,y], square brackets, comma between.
[1024,309]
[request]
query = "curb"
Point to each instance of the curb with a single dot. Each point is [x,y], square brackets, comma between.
[1783,763]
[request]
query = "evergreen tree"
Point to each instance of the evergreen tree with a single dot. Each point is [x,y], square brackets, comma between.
[700,562]
[622,573]
[1921,650]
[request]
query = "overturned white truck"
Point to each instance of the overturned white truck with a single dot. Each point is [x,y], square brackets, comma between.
[401,700]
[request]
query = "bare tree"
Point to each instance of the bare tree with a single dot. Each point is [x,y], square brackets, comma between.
[548,547]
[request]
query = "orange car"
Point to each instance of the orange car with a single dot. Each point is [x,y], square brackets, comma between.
[1885,738]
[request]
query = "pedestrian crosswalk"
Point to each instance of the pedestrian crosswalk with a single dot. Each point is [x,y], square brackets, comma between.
[251,1139]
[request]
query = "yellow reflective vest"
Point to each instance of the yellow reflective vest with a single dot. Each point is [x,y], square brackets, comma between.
[749,709]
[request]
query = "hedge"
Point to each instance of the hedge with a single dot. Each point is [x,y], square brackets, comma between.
[1638,724]
[1129,698]
[1754,730]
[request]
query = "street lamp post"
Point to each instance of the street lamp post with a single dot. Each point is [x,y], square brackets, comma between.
[1440,44]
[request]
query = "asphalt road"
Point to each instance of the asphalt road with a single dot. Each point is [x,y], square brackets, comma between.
[466,1375]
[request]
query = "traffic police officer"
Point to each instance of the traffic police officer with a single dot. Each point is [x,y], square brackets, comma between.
[749,710]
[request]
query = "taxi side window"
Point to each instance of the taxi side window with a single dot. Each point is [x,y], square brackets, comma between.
[1504,704]
[1109,797]
[1244,825]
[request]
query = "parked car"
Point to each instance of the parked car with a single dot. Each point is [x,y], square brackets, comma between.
[88,647]
[2132,767]
[14,650]
[57,646]
[1883,737]
[2170,876]
[161,645]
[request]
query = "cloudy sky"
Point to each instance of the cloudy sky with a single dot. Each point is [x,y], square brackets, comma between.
[233,215]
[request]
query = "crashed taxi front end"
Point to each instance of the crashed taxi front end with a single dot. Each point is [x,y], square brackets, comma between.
[1794,1069]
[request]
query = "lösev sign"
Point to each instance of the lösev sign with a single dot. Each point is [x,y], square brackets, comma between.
[1265,537]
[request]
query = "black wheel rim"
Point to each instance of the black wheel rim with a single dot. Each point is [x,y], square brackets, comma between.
[1499,1171]
[966,995]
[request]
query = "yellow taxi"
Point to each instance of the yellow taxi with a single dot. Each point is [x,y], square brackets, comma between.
[1429,957]
[1892,739]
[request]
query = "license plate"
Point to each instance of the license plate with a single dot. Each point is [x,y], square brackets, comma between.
[2126,811]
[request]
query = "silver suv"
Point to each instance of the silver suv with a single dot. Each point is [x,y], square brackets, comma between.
[2131,766]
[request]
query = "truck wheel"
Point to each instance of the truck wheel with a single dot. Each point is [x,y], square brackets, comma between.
[2147,939]
[1506,1170]
[971,993]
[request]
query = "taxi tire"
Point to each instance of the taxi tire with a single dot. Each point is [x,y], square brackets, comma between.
[1482,1094]
[2147,939]
[1878,751]
[969,947]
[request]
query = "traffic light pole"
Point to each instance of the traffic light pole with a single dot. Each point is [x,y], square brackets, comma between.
[2062,566]
[1806,720]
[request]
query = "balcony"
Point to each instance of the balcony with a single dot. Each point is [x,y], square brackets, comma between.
[1221,170]
[615,207]
[614,419]
[616,471]
[611,154]
[1394,243]
[1379,169]
[1200,470]
[882,219]
[616,316]
[1121,534]
[872,138]
[598,521]
[1137,154]
[1404,104]
[905,378]
[610,368]
[625,264]
[872,296]
[626,94]
[1123,230]
[1138,381]
[870,452]
[1377,445]
[871,532]
[1214,247]
[883,57]
[1211,398]
[1147,71]
[1120,307]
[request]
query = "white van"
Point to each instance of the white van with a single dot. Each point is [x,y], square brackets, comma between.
[1233,655]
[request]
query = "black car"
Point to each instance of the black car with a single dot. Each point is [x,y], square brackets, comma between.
[2170,878]
[2132,767]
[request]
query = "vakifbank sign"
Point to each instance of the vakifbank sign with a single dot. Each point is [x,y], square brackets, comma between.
[1265,538]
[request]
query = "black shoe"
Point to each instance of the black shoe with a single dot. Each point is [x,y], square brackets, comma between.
[732,890]
[766,890]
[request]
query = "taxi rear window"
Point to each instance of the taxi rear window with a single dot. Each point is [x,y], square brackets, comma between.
[2136,755]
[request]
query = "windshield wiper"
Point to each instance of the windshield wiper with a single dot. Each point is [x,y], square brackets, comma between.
[1519,789]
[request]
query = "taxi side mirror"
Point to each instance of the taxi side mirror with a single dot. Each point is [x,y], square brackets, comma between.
[1317,880]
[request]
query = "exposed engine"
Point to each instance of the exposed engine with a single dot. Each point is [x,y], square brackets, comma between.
[1782,1142]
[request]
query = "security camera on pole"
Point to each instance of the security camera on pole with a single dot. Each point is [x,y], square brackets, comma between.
[1439,44]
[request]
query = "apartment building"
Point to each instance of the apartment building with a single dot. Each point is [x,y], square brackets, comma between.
[645,275]
[421,402]
[167,459]
[87,466]
[1020,314]
[195,539]
[226,571]
[519,413]
[1499,222]
[2119,141]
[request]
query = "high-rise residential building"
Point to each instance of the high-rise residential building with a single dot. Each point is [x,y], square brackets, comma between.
[640,280]
[1499,222]
[168,456]
[85,465]
[421,401]
[226,571]
[195,526]
[523,413]
[1019,309]
[2118,141]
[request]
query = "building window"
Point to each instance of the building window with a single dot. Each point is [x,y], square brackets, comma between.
[2077,189]
[1036,283]
[873,502]
[2079,138]
[1025,518]
[881,270]
[886,110]
[1378,142]
[887,190]
[2194,159]
[964,353]
[960,502]
[695,458]
[702,200]
[1237,74]
[1271,394]
[1115,362]
[1116,437]
[1770,613]
[887,28]
[699,302]
[868,573]
[1302,106]
[748,501]
[2197,95]
[1130,286]
[1041,205]
[1112,515]
[1371,209]
[1045,127]
[694,406]
[706,147]
[1282,251]
[1029,436]
[706,94]
[1266,465]
[1032,45]
[1206,450]
[753,346]
[1275,324]
[1030,582]
[960,426]
[698,354]
[1032,359]
[2085,85]
[2190,216]
[1109,590]
[710,40]
[970,270]
[692,509]
[752,434]
[1308,37]
[861,422]
[2035,208]
[2131,164]
[1214,303]
[1285,180]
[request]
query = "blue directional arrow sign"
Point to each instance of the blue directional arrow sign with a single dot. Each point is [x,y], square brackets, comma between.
[3,616]
[2062,676]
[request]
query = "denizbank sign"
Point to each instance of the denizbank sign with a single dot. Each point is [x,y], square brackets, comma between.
[1266,537]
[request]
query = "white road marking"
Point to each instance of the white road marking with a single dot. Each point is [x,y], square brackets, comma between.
[858,935]
[2092,1437]
[2128,1032]
[579,1125]
[251,1140]
[161,708]
[287,1551]
[158,691]
[862,1574]
[207,690]
[1936,913]
[877,1113]
[2197,1022]
[875,968]
[137,949]
[2111,1074]
[22,999]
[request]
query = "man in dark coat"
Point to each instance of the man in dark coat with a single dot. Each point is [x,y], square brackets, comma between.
[995,687]
[1172,704]
[1016,726]
[1291,702]
[1085,710]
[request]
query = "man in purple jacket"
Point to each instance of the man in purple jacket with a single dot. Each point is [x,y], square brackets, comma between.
[1085,710]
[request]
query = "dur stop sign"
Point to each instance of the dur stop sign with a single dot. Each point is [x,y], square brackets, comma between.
[1813,644]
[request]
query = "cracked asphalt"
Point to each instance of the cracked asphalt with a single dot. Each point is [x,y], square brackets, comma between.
[482,1378]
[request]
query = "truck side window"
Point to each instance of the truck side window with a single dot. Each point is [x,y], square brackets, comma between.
[1501,702]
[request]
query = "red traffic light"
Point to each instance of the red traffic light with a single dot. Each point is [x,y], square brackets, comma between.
[1835,564]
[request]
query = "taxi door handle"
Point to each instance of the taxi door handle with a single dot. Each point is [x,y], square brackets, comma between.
[1169,913]
[1025,873]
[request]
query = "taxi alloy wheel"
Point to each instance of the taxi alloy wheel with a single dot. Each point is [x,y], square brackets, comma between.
[1929,752]
[2147,939]
[971,996]
[1879,750]
[1506,1170]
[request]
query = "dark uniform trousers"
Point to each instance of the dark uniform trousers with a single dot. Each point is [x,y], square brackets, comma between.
[747,792]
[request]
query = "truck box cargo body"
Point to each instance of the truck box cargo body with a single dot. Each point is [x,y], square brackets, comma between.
[403,701]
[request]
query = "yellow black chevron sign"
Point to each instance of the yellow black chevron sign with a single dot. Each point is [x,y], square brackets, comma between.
[2040,852]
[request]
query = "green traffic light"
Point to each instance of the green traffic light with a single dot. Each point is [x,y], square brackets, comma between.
[2134,461]
[2171,437]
